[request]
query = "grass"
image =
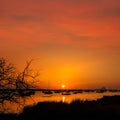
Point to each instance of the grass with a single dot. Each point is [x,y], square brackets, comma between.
[105,108]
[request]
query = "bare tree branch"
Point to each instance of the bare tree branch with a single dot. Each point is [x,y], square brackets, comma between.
[15,85]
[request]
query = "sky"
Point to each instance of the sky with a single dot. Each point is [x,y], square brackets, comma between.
[73,42]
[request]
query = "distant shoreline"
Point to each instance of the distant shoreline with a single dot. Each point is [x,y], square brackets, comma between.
[86,90]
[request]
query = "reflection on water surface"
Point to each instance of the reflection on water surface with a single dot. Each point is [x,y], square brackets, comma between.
[55,96]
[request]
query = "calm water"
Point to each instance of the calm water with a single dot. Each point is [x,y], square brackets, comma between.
[41,97]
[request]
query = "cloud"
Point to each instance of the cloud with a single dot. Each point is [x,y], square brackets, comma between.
[60,21]
[114,12]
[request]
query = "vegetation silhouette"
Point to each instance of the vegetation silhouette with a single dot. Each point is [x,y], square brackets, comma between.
[107,107]
[15,85]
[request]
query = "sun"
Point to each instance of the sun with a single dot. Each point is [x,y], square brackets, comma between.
[63,86]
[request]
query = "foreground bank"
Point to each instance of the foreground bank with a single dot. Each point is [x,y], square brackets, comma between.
[107,108]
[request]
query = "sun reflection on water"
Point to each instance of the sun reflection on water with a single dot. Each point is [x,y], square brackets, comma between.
[63,99]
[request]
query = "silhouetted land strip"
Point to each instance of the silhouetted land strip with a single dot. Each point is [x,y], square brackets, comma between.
[106,108]
[60,90]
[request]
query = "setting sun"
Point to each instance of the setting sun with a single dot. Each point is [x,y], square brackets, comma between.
[63,86]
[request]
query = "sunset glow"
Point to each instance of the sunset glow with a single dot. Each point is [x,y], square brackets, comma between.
[73,42]
[63,86]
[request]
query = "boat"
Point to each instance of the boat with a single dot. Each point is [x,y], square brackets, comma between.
[75,92]
[47,93]
[102,90]
[66,93]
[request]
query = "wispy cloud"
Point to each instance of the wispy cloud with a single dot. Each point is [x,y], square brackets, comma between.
[58,21]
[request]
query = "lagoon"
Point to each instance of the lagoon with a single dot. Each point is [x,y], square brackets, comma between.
[40,96]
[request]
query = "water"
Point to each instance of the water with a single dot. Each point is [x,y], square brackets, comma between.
[41,97]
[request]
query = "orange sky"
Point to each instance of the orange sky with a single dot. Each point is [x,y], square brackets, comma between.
[75,42]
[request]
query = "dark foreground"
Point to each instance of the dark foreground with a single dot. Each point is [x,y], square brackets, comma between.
[106,108]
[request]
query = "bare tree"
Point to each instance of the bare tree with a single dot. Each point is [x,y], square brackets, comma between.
[13,84]
[26,79]
[7,74]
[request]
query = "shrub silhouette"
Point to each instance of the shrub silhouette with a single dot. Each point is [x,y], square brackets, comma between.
[77,109]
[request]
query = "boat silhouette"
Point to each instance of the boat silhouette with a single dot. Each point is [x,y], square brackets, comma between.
[47,93]
[66,93]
